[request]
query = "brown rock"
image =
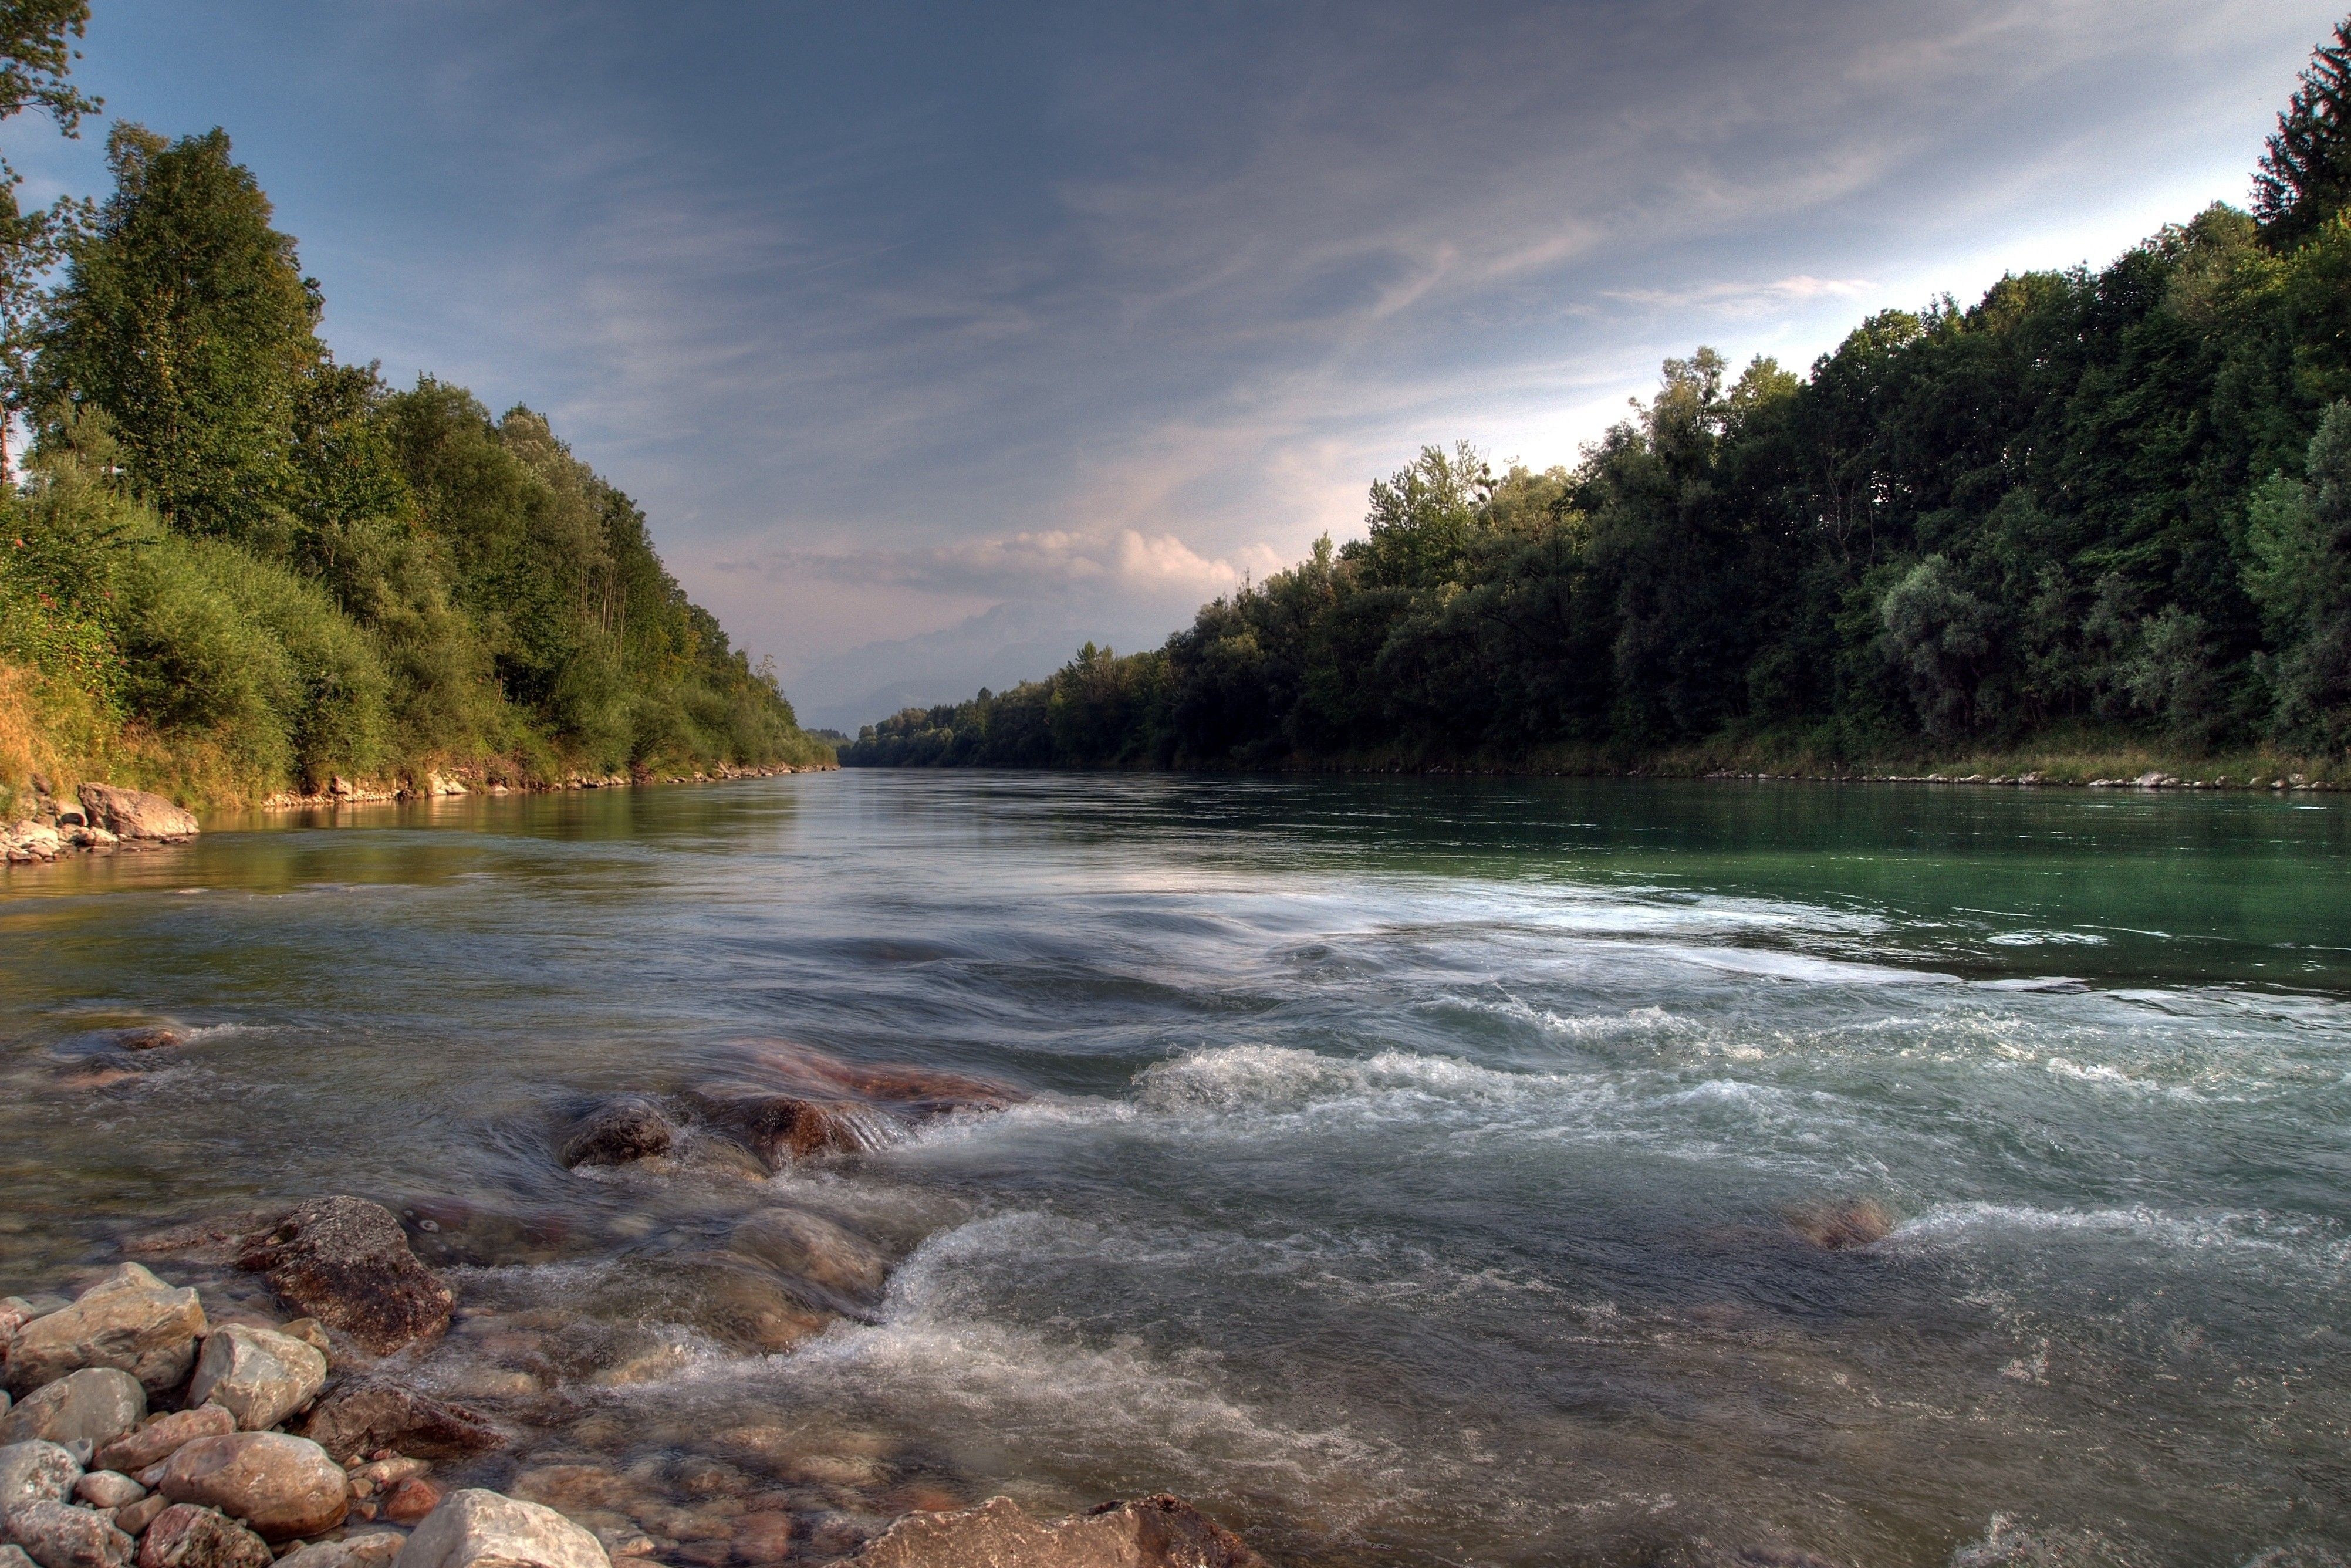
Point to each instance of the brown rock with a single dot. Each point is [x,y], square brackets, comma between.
[346,1262]
[59,1535]
[184,1536]
[1150,1533]
[108,1489]
[920,1089]
[156,1038]
[283,1487]
[631,1129]
[812,1247]
[408,1502]
[763,1538]
[477,1528]
[359,1415]
[134,813]
[1834,1226]
[96,1406]
[162,1437]
[132,1519]
[129,1321]
[782,1128]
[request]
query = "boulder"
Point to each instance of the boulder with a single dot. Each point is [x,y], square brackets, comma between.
[346,1262]
[14,1557]
[359,1415]
[16,1311]
[36,1472]
[258,1376]
[1159,1531]
[129,1321]
[155,1037]
[184,1536]
[161,1437]
[59,1535]
[631,1129]
[281,1486]
[134,813]
[108,1489]
[782,1128]
[813,1248]
[480,1528]
[95,1405]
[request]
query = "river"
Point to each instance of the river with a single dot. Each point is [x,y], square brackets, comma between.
[1418,1172]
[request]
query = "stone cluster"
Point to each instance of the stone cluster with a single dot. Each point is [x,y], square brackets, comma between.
[97,819]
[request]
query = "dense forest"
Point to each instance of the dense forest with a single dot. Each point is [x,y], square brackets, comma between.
[230,564]
[2097,511]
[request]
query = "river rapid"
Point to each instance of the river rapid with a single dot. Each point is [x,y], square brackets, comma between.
[1417,1172]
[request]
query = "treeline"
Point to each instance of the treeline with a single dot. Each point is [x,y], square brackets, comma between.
[231,564]
[2113,504]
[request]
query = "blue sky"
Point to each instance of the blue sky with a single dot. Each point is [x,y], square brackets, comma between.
[894,316]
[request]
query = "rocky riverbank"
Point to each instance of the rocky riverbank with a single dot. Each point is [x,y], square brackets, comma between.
[96,819]
[296,1402]
[342,791]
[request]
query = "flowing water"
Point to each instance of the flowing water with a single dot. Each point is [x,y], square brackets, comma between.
[1418,1173]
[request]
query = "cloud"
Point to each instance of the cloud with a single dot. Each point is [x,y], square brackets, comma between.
[1117,561]
[1743,298]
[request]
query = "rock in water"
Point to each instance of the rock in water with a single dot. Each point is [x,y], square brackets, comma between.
[376,1549]
[36,1472]
[258,1376]
[625,1130]
[159,1439]
[1837,1226]
[481,1528]
[781,1128]
[361,1415]
[129,1321]
[815,1249]
[346,1262]
[95,1405]
[134,813]
[1150,1533]
[283,1487]
[58,1535]
[183,1536]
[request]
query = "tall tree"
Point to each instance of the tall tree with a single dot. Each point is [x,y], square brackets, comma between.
[36,53]
[2305,177]
[184,316]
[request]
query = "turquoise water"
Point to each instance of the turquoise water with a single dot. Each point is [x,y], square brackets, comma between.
[1418,1170]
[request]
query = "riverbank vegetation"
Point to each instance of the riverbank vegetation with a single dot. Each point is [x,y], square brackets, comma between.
[232,565]
[2101,519]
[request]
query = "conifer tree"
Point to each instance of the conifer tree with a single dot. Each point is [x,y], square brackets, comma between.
[2305,177]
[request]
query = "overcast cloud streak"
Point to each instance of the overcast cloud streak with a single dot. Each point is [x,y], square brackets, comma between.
[896,314]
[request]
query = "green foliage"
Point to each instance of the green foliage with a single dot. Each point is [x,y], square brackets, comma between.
[242,549]
[2305,173]
[36,53]
[2092,505]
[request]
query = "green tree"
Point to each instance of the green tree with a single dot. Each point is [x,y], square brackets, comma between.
[35,54]
[2305,173]
[184,316]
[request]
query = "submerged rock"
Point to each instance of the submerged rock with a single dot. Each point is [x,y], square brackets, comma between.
[258,1376]
[94,1406]
[162,1438]
[129,1321]
[1834,1226]
[134,813]
[154,1038]
[632,1129]
[360,1416]
[59,1535]
[782,1128]
[1159,1531]
[346,1262]
[813,1248]
[185,1536]
[795,1103]
[281,1486]
[477,1528]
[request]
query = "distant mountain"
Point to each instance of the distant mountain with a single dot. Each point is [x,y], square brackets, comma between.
[1003,647]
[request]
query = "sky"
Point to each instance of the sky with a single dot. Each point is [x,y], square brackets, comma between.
[934,337]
